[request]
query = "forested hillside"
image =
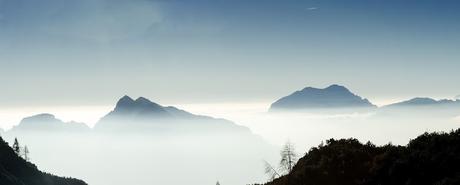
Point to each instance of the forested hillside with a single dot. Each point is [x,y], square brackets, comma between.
[432,158]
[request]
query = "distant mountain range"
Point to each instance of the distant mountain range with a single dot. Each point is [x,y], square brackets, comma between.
[339,97]
[16,171]
[144,115]
[427,102]
[140,115]
[49,123]
[334,96]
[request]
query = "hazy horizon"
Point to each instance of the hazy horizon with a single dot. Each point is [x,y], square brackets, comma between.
[90,114]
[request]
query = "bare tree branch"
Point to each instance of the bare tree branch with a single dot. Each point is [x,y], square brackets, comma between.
[288,157]
[270,171]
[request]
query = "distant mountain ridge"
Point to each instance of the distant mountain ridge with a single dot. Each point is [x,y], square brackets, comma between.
[334,96]
[425,102]
[48,122]
[147,115]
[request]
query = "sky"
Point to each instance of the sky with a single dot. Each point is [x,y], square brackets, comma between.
[91,52]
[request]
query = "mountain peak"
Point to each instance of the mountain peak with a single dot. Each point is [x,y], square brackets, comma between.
[126,98]
[336,87]
[141,102]
[333,96]
[333,87]
[124,101]
[141,108]
[423,100]
[139,114]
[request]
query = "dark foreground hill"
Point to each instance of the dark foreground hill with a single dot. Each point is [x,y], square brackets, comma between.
[430,159]
[16,171]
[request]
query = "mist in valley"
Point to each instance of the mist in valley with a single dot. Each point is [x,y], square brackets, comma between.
[231,153]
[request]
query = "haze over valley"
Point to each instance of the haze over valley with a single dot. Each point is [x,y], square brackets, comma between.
[138,133]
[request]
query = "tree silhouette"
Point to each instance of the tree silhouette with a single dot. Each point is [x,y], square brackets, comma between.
[287,162]
[288,157]
[271,171]
[16,147]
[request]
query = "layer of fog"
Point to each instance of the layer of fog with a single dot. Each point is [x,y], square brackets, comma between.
[144,159]
[309,128]
[233,158]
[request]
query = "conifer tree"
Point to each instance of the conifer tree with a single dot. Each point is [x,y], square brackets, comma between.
[16,147]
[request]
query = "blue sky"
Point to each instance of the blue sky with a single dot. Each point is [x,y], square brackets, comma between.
[55,52]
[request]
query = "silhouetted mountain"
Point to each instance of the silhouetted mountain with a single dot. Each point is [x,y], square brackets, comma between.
[140,108]
[16,171]
[49,123]
[429,159]
[334,96]
[143,114]
[428,102]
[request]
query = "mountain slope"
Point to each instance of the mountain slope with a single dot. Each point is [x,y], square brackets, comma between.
[334,96]
[144,115]
[16,171]
[428,159]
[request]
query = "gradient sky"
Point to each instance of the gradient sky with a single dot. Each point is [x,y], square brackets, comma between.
[91,52]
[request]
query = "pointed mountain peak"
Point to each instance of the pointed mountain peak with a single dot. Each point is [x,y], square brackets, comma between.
[126,105]
[125,98]
[124,102]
